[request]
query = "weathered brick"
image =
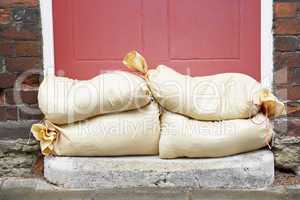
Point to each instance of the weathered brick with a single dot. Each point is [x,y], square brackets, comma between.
[293,92]
[7,49]
[280,126]
[2,64]
[33,80]
[21,31]
[286,43]
[8,3]
[2,113]
[7,80]
[293,127]
[8,113]
[287,26]
[283,76]
[287,127]
[26,96]
[15,129]
[28,48]
[296,76]
[281,92]
[11,113]
[285,9]
[293,109]
[289,59]
[1,97]
[5,16]
[35,115]
[26,15]
[21,64]
[290,92]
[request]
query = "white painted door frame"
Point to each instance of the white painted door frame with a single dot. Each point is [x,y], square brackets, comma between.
[266,40]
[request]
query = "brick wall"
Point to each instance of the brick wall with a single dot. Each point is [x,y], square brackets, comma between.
[287,81]
[20,51]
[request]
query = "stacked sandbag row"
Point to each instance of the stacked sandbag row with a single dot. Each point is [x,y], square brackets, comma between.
[209,116]
[111,114]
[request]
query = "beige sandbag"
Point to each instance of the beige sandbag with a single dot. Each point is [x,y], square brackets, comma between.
[185,137]
[216,97]
[64,100]
[133,132]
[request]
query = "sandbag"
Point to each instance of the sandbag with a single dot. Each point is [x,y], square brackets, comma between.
[63,100]
[217,97]
[133,132]
[185,137]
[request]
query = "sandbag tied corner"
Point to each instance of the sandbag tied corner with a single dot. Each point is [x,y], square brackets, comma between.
[215,97]
[134,132]
[112,114]
[209,116]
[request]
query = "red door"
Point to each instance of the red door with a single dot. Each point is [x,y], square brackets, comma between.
[199,37]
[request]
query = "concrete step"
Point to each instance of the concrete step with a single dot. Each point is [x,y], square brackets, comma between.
[249,170]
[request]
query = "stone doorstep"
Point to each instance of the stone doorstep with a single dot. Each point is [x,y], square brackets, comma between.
[249,170]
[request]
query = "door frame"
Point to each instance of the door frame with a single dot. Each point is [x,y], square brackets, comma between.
[266,40]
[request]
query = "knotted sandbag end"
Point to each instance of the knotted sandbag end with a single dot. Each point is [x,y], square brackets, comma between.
[47,135]
[270,105]
[135,61]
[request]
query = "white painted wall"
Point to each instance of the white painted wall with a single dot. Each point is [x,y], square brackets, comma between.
[47,31]
[266,40]
[266,43]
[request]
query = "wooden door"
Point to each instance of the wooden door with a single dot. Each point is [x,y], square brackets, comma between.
[199,37]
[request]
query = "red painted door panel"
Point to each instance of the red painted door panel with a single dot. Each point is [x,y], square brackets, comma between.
[199,37]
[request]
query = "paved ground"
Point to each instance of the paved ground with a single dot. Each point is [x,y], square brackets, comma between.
[35,188]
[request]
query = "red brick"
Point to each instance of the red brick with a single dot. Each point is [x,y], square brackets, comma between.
[7,80]
[293,92]
[5,16]
[26,15]
[296,76]
[2,64]
[285,9]
[287,26]
[289,43]
[33,80]
[293,127]
[11,113]
[21,64]
[27,96]
[8,3]
[2,113]
[281,92]
[293,109]
[28,48]
[283,76]
[7,49]
[290,59]
[21,32]
[35,115]
[1,98]
[8,113]
[290,92]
